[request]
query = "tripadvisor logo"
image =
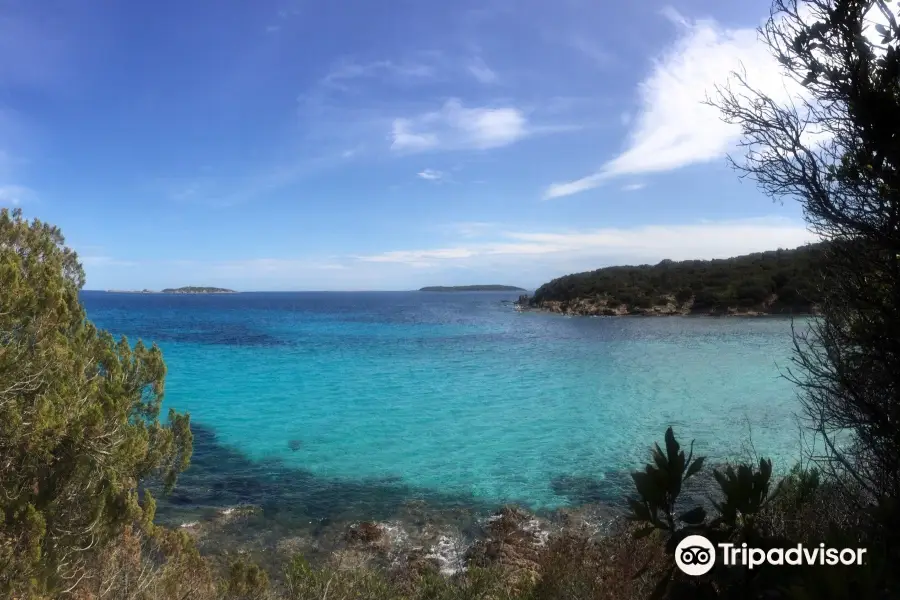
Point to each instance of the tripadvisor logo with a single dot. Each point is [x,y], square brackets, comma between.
[695,555]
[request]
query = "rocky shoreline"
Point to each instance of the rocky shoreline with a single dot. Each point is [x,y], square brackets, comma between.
[600,307]
[419,541]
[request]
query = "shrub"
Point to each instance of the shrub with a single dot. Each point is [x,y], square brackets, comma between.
[79,420]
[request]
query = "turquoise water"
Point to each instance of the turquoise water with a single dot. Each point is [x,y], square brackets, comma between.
[341,402]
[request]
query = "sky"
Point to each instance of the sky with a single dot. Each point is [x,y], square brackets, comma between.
[355,145]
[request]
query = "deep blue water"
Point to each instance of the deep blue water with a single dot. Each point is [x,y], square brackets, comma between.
[338,403]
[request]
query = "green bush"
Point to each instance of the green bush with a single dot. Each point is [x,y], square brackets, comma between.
[79,419]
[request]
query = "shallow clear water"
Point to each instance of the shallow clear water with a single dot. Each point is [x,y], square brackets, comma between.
[329,403]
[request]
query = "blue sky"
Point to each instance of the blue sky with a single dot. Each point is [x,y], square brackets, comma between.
[343,145]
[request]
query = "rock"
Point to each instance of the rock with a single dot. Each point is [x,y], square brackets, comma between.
[365,534]
[514,542]
[231,513]
[295,445]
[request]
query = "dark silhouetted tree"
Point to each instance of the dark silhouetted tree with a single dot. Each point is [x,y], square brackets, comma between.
[836,149]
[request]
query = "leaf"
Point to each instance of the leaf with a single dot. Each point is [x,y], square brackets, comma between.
[881,29]
[644,485]
[695,467]
[695,516]
[672,446]
[641,512]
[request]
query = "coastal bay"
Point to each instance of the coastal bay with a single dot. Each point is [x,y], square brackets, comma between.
[325,407]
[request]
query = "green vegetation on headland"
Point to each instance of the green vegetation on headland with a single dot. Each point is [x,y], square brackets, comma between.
[472,288]
[82,441]
[776,282]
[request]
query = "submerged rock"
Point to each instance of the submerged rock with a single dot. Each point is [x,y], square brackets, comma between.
[365,534]
[230,513]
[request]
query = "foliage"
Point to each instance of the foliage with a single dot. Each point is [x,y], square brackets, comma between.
[784,280]
[246,581]
[747,504]
[837,153]
[79,419]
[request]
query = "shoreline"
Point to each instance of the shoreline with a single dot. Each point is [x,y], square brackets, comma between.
[444,537]
[714,315]
[584,307]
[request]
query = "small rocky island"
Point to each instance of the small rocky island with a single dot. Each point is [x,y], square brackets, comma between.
[182,290]
[192,289]
[472,288]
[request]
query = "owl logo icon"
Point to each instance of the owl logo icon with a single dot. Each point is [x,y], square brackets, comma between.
[695,555]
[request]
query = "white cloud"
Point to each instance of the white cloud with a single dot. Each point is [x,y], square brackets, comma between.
[15,195]
[405,139]
[523,256]
[351,152]
[673,15]
[430,175]
[457,127]
[673,128]
[558,190]
[482,72]
[649,243]
[633,187]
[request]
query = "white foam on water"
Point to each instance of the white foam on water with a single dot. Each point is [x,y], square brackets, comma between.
[534,527]
[449,552]
[395,533]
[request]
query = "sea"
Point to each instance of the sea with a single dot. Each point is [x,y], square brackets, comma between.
[327,407]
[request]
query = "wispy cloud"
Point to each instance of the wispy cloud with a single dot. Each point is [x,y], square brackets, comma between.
[454,126]
[15,195]
[480,71]
[219,190]
[430,175]
[526,256]
[645,243]
[633,187]
[347,71]
[593,51]
[673,127]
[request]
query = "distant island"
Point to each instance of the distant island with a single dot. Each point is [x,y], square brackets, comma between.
[472,288]
[191,289]
[765,283]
